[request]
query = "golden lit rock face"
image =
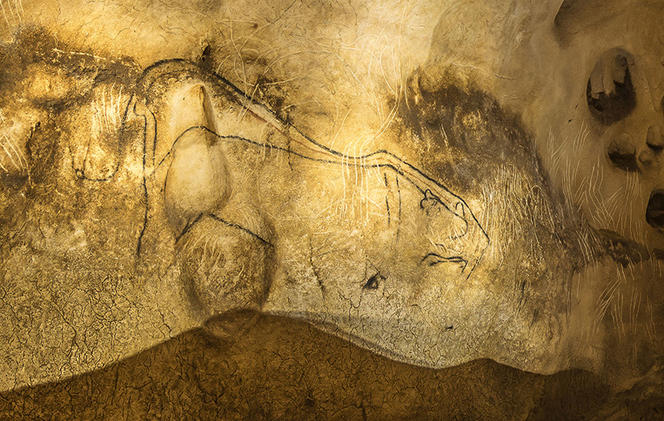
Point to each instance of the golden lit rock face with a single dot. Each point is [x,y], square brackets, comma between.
[430,194]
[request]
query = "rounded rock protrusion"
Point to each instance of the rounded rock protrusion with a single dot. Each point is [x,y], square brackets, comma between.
[197,181]
[655,138]
[646,158]
[622,153]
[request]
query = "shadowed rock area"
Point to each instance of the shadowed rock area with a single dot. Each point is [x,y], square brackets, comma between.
[368,209]
[284,369]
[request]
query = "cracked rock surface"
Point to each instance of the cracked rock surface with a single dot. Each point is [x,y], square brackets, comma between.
[367,210]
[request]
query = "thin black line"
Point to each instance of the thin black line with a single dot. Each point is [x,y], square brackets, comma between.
[86,178]
[288,147]
[145,190]
[187,227]
[443,259]
[399,192]
[436,198]
[154,137]
[324,161]
[146,81]
[196,68]
[315,271]
[327,161]
[387,202]
[240,227]
[398,170]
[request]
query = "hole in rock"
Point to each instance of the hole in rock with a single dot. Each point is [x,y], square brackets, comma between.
[610,93]
[655,209]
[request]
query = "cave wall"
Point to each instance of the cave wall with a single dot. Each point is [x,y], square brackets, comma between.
[456,193]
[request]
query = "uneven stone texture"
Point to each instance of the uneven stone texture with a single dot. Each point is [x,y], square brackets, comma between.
[357,210]
[283,369]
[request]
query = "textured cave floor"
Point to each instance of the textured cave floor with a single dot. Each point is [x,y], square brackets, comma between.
[287,369]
